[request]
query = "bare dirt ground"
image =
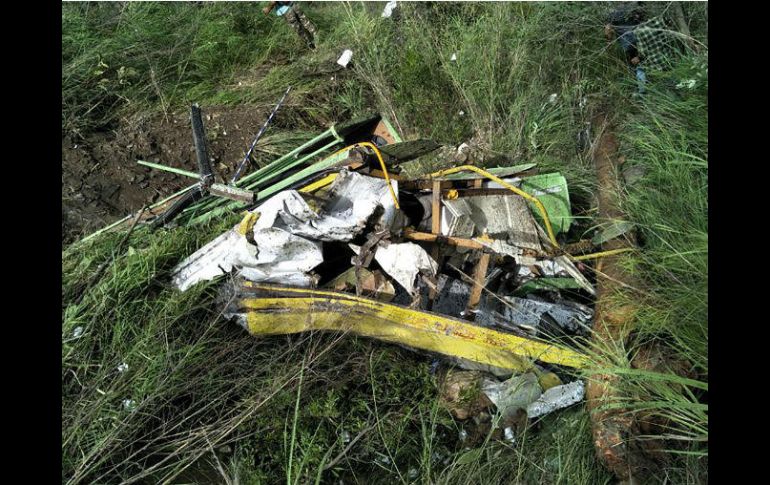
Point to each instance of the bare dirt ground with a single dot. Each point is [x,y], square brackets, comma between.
[101,181]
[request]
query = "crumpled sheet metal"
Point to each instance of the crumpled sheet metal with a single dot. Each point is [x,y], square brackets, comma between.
[273,310]
[403,261]
[528,315]
[513,394]
[285,237]
[557,397]
[354,198]
[524,392]
[278,256]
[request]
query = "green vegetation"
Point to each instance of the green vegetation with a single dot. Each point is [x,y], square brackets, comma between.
[202,402]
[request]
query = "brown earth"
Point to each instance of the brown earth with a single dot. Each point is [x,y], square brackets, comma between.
[101,181]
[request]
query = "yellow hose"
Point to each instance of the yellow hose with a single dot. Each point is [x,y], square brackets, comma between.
[601,254]
[382,164]
[508,186]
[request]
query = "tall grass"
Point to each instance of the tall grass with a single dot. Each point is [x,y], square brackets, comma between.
[664,138]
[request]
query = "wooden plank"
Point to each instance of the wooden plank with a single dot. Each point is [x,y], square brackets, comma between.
[452,241]
[436,208]
[479,274]
[435,229]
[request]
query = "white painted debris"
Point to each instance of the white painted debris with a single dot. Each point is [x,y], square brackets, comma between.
[552,98]
[388,10]
[277,256]
[509,437]
[454,57]
[77,332]
[345,58]
[557,397]
[123,367]
[687,83]
[285,243]
[461,113]
[456,218]
[403,261]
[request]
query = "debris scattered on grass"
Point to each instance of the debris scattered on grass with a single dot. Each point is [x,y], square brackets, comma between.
[129,405]
[345,58]
[458,264]
[388,10]
[557,397]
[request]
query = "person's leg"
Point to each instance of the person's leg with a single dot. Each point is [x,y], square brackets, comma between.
[306,23]
[293,20]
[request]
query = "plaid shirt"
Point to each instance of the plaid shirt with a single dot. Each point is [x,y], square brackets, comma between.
[655,43]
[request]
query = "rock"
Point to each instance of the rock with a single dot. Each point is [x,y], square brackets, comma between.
[461,393]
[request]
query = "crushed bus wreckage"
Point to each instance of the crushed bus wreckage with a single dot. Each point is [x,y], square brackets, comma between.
[464,263]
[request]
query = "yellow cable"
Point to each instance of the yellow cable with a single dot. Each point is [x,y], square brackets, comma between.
[382,164]
[508,186]
[601,254]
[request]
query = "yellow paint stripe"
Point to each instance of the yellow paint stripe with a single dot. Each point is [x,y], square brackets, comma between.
[325,310]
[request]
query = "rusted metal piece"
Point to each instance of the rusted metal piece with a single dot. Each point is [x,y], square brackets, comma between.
[364,257]
[460,242]
[479,275]
[233,193]
[613,429]
[418,236]
[435,228]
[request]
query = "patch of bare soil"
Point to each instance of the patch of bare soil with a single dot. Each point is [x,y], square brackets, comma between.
[101,181]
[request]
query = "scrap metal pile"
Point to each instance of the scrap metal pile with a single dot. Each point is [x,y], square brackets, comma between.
[464,264]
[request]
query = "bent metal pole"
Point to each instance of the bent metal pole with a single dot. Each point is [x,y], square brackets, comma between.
[245,160]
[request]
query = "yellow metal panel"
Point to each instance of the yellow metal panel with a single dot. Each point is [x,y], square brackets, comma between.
[319,183]
[308,310]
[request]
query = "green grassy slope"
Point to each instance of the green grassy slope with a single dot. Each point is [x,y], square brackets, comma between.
[286,406]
